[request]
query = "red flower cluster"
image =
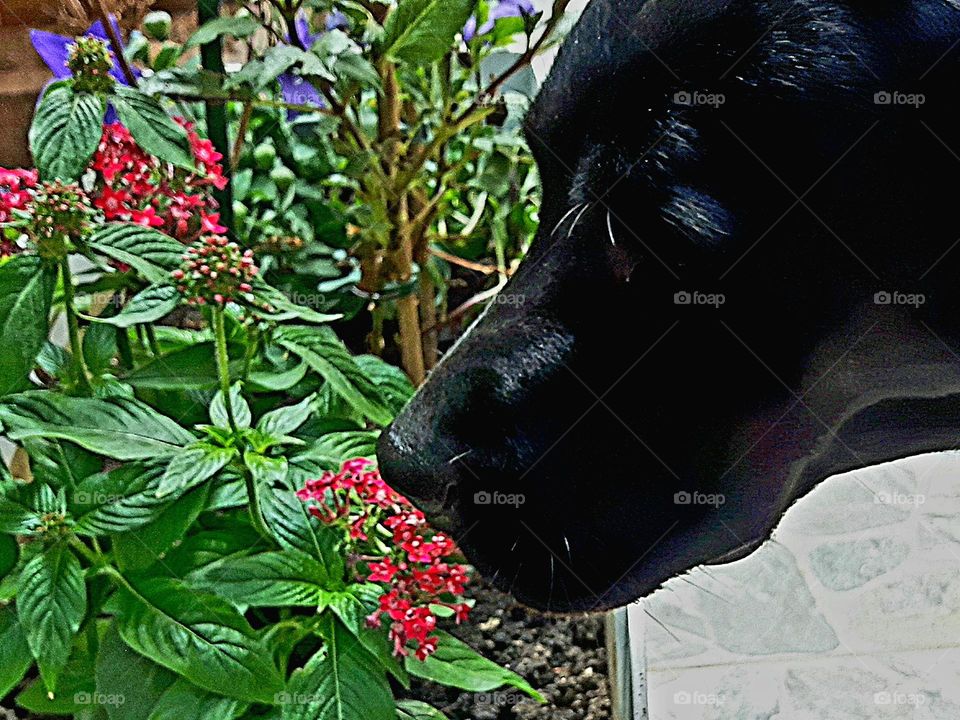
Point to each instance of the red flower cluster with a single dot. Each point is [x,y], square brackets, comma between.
[216,270]
[393,546]
[15,187]
[137,187]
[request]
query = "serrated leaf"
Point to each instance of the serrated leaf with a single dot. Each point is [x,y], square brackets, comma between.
[150,252]
[15,656]
[330,451]
[287,578]
[154,303]
[51,603]
[118,501]
[199,636]
[152,128]
[421,31]
[120,428]
[194,465]
[66,131]
[328,357]
[285,420]
[341,682]
[241,410]
[26,293]
[239,27]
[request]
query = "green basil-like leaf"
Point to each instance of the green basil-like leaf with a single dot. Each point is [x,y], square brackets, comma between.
[421,31]
[129,686]
[151,127]
[241,410]
[239,27]
[185,696]
[283,421]
[199,636]
[328,357]
[15,656]
[118,501]
[51,603]
[416,710]
[150,252]
[154,303]
[66,131]
[281,579]
[341,682]
[189,368]
[120,428]
[26,292]
[458,665]
[194,465]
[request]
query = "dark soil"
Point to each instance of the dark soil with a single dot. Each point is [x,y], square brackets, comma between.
[564,658]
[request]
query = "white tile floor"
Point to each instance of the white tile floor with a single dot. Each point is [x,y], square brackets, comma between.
[851,611]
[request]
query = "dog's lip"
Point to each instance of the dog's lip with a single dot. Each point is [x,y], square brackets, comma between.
[442,514]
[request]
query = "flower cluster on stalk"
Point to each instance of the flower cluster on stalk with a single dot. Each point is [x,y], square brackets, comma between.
[390,543]
[216,271]
[90,62]
[136,187]
[51,215]
[16,188]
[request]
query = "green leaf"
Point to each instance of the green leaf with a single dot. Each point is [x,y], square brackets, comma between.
[16,518]
[239,27]
[26,292]
[76,683]
[196,464]
[295,529]
[328,357]
[184,697]
[120,500]
[265,470]
[458,665]
[341,682]
[288,578]
[66,131]
[282,308]
[199,636]
[209,546]
[285,420]
[416,710]
[152,129]
[330,451]
[142,548]
[9,555]
[189,368]
[394,385]
[120,428]
[421,31]
[51,603]
[129,685]
[15,657]
[241,410]
[148,251]
[154,303]
[275,381]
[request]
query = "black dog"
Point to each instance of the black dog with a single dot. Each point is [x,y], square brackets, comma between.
[746,281]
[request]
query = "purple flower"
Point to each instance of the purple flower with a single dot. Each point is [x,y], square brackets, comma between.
[296,90]
[504,9]
[54,49]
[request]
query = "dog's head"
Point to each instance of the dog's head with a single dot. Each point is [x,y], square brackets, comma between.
[729,186]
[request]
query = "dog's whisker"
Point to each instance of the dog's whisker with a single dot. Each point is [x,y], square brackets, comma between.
[576,220]
[610,228]
[461,456]
[569,212]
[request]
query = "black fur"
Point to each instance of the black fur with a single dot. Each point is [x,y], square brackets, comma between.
[799,198]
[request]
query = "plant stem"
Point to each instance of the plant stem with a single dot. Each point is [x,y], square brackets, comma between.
[152,340]
[211,58]
[123,347]
[223,363]
[73,326]
[256,512]
[117,44]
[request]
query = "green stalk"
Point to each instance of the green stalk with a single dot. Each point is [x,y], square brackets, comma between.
[223,363]
[211,58]
[73,325]
[256,511]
